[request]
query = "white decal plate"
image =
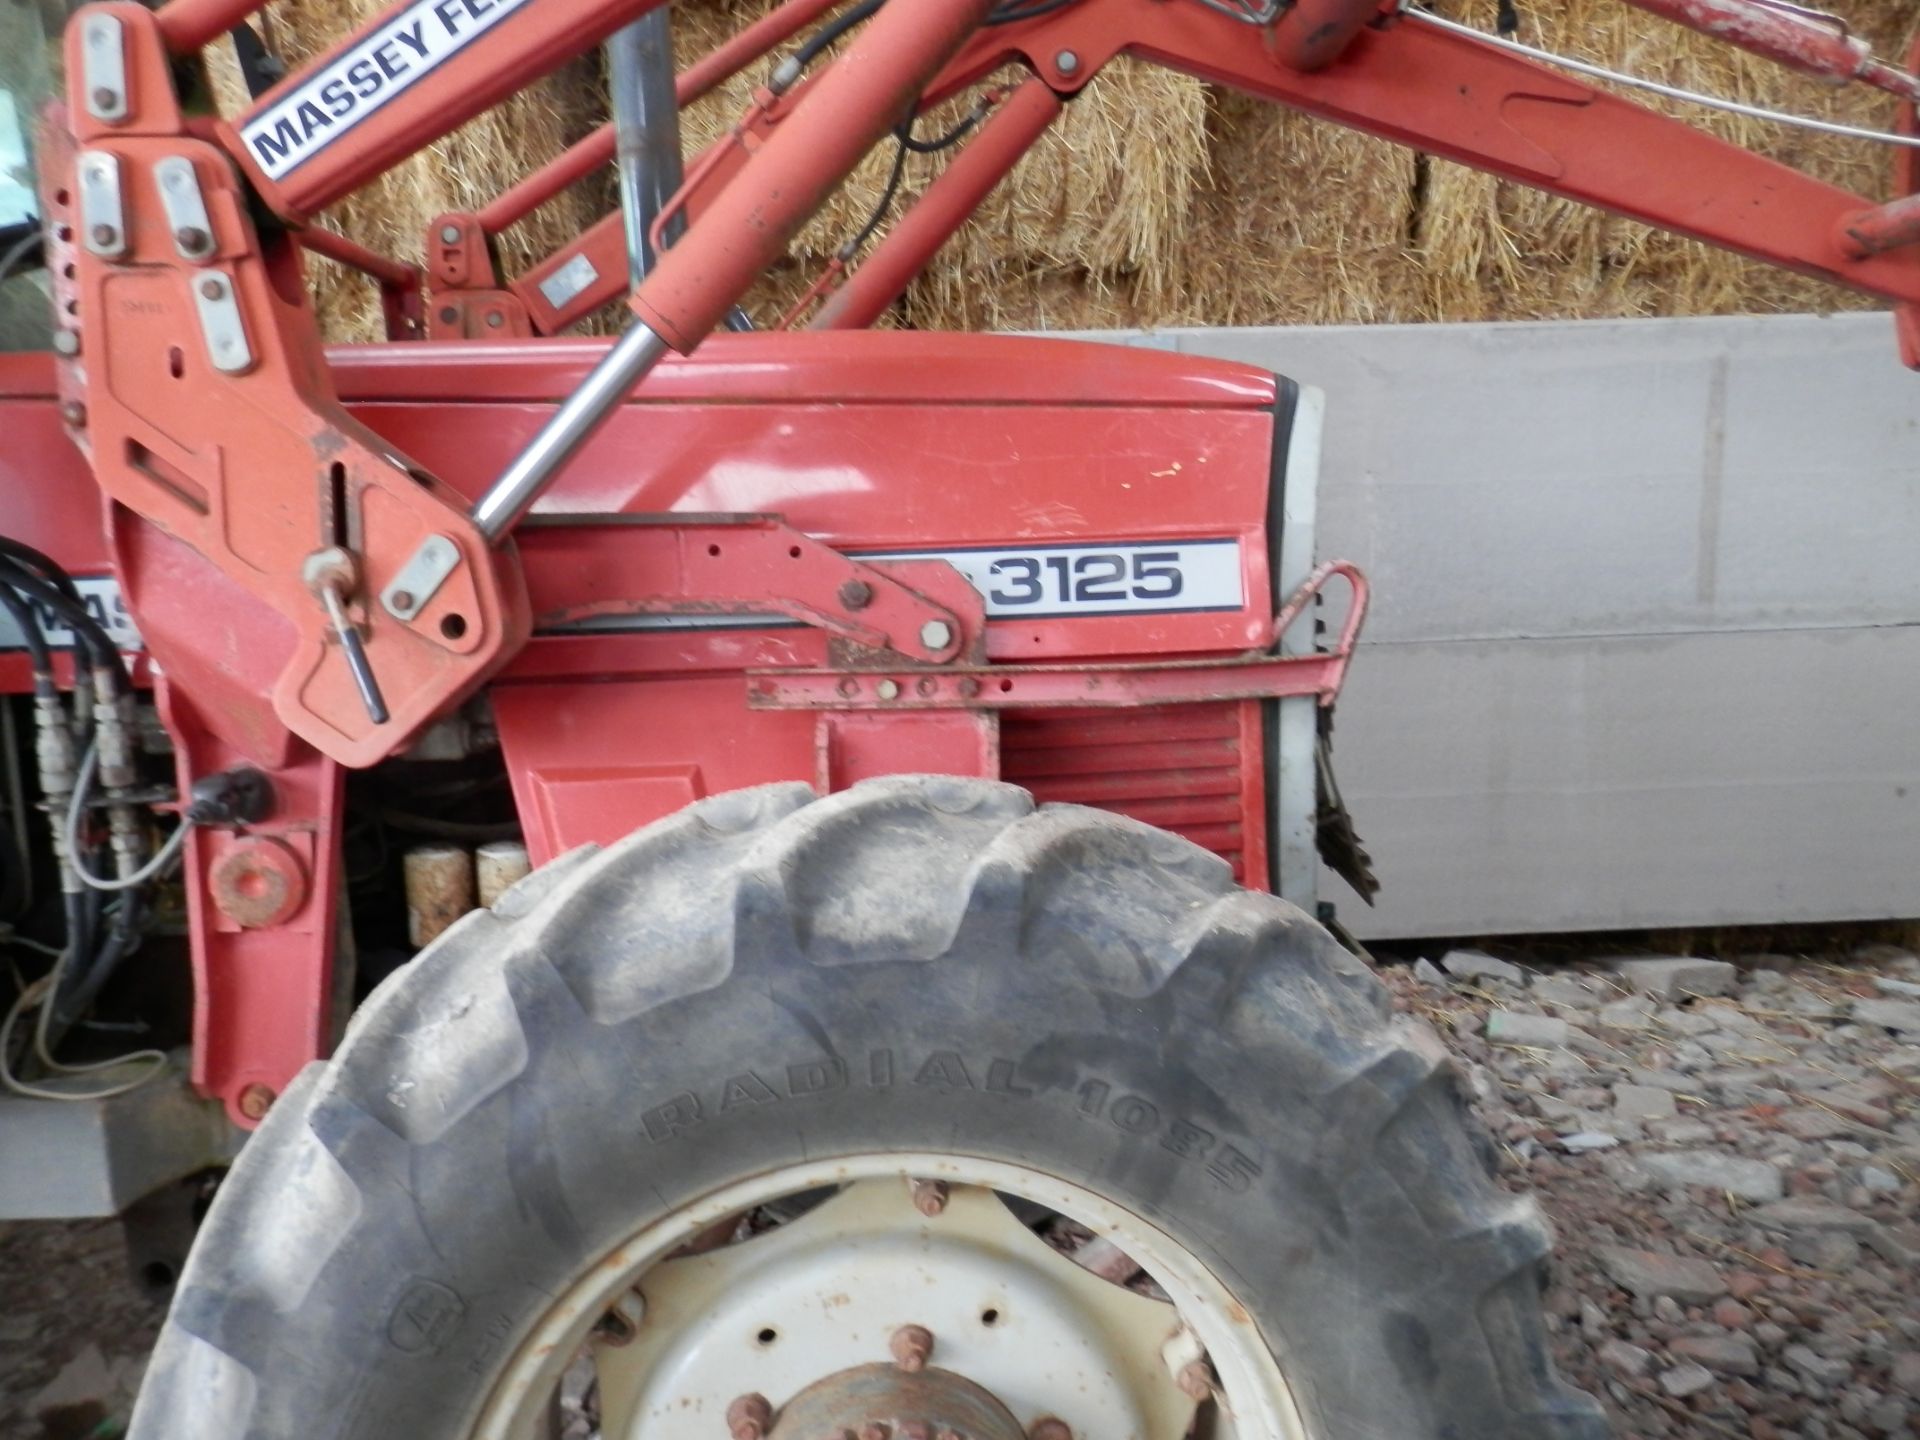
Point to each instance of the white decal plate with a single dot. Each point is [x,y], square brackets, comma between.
[365,76]
[1158,577]
[102,596]
[568,281]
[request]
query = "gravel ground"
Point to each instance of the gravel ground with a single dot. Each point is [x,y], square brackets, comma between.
[1730,1153]
[1731,1157]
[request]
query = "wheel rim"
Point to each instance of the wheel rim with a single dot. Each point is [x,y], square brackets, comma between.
[807,1318]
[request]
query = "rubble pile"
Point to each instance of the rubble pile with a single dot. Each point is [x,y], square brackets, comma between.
[1730,1154]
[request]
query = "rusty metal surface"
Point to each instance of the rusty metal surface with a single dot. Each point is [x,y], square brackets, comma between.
[927,1401]
[258,882]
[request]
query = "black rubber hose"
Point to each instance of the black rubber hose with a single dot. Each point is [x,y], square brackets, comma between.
[41,564]
[34,637]
[101,651]
[811,47]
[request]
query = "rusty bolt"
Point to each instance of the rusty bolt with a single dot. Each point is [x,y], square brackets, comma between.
[856,594]
[104,234]
[74,413]
[1196,1380]
[192,239]
[930,1197]
[748,1417]
[212,287]
[923,687]
[255,1100]
[911,1346]
[1048,1428]
[402,599]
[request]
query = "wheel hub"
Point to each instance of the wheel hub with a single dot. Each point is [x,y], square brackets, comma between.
[885,1400]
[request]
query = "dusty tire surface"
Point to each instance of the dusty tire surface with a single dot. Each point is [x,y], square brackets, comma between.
[917,963]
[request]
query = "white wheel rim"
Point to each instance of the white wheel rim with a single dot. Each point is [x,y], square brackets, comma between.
[681,1354]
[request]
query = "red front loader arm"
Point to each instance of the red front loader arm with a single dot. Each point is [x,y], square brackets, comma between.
[195,377]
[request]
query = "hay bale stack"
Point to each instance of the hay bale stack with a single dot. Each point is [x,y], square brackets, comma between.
[460,172]
[1159,200]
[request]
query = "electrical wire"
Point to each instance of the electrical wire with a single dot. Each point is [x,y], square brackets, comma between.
[40,995]
[1639,82]
[70,835]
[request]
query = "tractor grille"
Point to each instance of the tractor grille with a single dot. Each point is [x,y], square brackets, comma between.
[1180,767]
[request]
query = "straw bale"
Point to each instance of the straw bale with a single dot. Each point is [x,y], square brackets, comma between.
[1156,199]
[461,171]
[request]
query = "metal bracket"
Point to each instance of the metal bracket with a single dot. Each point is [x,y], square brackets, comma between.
[426,570]
[103,219]
[220,323]
[185,206]
[105,48]
[1097,685]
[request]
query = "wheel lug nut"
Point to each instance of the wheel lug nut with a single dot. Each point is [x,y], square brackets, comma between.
[911,1345]
[1196,1380]
[1049,1428]
[930,1197]
[748,1417]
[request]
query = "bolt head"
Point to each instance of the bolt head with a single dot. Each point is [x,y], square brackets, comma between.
[495,319]
[1066,62]
[969,687]
[856,594]
[255,1100]
[192,239]
[402,599]
[911,1347]
[66,342]
[450,234]
[930,1197]
[849,687]
[748,1417]
[449,314]
[104,234]
[105,99]
[888,689]
[212,287]
[74,413]
[936,635]
[1196,1380]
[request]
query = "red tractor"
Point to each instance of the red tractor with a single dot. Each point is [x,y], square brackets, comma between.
[916,740]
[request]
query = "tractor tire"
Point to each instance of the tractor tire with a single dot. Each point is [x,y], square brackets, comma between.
[1050,987]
